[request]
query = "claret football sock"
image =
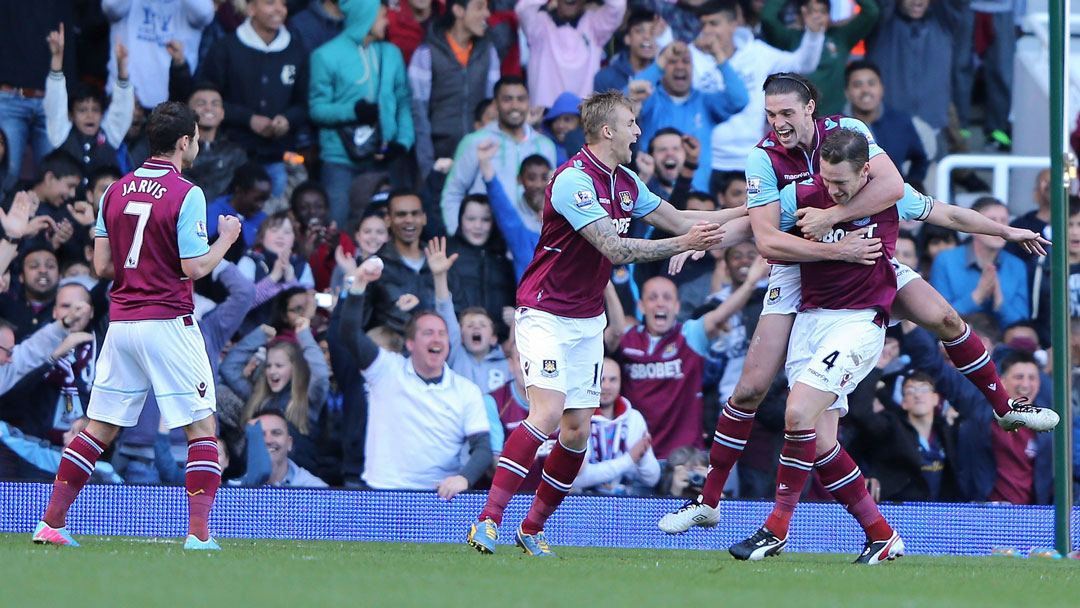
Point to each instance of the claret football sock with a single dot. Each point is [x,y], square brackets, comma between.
[732,430]
[76,466]
[796,462]
[202,478]
[971,359]
[560,471]
[517,456]
[845,482]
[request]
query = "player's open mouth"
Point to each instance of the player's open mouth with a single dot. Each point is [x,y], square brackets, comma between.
[660,316]
[785,134]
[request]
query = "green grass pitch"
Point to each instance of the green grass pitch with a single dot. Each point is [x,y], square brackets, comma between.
[144,572]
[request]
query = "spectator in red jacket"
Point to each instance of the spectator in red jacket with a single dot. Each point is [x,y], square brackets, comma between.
[410,23]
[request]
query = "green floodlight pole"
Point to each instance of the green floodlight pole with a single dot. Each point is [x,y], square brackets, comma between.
[1059,264]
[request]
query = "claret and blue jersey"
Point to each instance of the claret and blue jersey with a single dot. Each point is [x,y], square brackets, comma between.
[770,167]
[567,275]
[153,218]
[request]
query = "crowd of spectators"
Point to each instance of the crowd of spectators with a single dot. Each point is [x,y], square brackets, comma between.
[389,160]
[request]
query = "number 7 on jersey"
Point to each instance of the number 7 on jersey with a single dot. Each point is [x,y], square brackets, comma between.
[142,210]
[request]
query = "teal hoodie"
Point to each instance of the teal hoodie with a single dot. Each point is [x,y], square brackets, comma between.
[343,71]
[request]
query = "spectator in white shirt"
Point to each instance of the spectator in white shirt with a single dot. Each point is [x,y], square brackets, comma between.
[420,413]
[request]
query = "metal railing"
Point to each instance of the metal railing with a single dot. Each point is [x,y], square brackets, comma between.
[1001,164]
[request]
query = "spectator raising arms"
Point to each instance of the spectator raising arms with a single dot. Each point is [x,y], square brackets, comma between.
[360,102]
[566,44]
[534,176]
[840,38]
[417,402]
[474,350]
[676,104]
[80,124]
[722,39]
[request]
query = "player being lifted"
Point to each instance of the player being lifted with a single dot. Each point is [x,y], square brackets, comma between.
[559,323]
[789,153]
[151,240]
[835,341]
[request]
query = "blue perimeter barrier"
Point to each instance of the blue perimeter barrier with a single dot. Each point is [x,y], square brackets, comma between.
[596,521]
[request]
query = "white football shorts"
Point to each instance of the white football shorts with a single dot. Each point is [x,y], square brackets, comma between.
[561,354]
[834,350]
[168,357]
[784,294]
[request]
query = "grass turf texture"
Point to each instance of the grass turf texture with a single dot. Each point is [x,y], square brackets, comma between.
[116,571]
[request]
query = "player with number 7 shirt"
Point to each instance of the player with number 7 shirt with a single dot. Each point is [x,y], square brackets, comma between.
[151,240]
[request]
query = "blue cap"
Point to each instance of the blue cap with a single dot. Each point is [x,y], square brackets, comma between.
[567,103]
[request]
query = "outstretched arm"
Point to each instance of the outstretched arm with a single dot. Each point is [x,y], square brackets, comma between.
[963,219]
[675,221]
[602,235]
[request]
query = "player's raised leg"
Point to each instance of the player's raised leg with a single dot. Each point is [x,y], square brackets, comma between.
[764,357]
[845,482]
[76,466]
[919,302]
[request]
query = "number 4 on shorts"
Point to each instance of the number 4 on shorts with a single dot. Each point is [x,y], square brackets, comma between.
[830,361]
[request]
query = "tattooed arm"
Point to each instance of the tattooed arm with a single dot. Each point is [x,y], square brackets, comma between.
[602,235]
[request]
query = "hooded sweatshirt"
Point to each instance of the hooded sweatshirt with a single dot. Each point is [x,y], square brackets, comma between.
[490,372]
[344,71]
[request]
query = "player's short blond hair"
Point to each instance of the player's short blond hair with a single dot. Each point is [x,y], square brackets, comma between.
[598,110]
